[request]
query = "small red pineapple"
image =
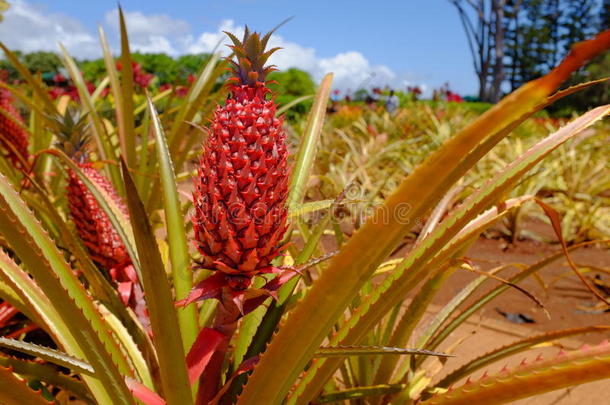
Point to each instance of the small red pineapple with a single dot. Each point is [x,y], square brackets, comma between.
[240,207]
[94,228]
[242,186]
[13,138]
[92,224]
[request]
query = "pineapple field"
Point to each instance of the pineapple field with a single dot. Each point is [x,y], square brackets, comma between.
[217,240]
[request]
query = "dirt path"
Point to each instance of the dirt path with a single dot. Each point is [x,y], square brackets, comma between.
[565,298]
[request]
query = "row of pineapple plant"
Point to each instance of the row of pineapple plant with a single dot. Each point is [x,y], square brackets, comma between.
[251,317]
[375,145]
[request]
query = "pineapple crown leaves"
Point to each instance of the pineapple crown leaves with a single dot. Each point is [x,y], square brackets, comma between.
[71,129]
[250,69]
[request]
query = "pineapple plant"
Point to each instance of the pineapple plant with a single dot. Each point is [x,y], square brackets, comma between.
[93,226]
[13,137]
[242,183]
[337,336]
[240,201]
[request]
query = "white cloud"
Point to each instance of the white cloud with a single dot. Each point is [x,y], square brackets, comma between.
[351,69]
[140,24]
[29,28]
[208,41]
[154,44]
[150,33]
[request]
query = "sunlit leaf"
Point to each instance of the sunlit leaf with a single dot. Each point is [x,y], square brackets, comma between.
[159,300]
[16,392]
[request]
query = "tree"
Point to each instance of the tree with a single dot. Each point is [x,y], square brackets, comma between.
[534,42]
[191,64]
[604,16]
[44,62]
[512,30]
[515,41]
[93,70]
[598,68]
[553,26]
[579,21]
[552,16]
[484,25]
[159,64]
[291,84]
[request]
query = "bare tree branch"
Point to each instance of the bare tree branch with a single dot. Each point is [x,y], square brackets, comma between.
[483,24]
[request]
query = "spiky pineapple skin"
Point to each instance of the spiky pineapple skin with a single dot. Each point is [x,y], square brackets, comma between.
[13,138]
[242,185]
[92,224]
[101,239]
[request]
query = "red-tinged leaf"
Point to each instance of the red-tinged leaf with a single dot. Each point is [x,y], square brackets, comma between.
[14,391]
[282,278]
[250,303]
[124,289]
[159,299]
[244,367]
[556,224]
[200,354]
[7,312]
[247,301]
[143,393]
[131,273]
[580,53]
[516,347]
[529,379]
[22,331]
[250,299]
[209,288]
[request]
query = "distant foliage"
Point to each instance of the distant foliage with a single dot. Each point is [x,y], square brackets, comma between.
[604,17]
[46,63]
[595,95]
[539,33]
[514,41]
[165,68]
[42,62]
[291,84]
[93,69]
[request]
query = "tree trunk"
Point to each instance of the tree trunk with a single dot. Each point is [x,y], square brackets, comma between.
[498,70]
[484,28]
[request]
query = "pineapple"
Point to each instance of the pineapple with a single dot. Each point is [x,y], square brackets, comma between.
[13,138]
[94,228]
[242,183]
[92,224]
[240,206]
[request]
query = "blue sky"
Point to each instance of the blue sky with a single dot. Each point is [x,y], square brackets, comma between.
[400,42]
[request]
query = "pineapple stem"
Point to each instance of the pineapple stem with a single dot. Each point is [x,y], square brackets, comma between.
[227,316]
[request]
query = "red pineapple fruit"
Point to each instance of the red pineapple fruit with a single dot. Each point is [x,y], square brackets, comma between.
[92,224]
[242,183]
[13,138]
[240,207]
[94,228]
[101,239]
